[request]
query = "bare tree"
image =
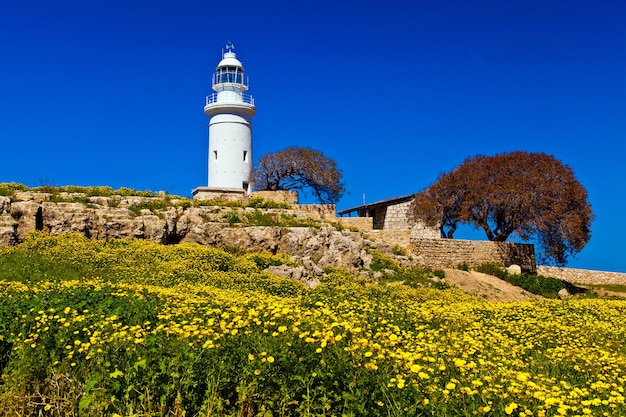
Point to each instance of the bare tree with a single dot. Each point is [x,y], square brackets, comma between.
[304,169]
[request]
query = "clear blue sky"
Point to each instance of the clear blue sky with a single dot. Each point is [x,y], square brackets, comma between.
[112,92]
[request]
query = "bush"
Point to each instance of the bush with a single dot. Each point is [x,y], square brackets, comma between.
[537,284]
[463,267]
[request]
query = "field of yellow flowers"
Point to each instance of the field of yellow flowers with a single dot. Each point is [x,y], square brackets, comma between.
[132,328]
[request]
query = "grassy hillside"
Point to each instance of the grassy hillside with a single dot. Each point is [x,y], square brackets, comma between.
[92,328]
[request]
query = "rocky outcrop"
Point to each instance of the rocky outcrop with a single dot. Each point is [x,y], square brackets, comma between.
[115,218]
[167,221]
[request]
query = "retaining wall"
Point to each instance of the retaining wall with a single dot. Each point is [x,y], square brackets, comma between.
[582,276]
[449,253]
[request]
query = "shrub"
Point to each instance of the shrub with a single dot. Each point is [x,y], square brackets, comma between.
[260,202]
[463,267]
[537,284]
[398,250]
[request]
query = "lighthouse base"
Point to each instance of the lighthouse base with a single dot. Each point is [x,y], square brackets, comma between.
[212,193]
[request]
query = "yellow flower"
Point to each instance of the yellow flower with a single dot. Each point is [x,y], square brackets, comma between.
[270,359]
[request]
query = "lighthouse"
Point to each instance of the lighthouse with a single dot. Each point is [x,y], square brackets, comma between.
[230,109]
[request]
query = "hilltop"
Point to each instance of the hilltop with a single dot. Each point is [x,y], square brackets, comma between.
[310,234]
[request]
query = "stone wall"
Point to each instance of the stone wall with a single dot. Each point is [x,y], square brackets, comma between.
[361,223]
[393,237]
[289,197]
[582,276]
[316,211]
[207,193]
[449,253]
[396,217]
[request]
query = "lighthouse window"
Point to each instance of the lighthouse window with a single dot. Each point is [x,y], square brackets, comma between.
[215,155]
[229,75]
[245,156]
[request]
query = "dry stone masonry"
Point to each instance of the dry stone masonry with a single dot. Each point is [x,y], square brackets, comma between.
[583,276]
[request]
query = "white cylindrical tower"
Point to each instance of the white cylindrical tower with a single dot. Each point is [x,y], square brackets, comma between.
[230,127]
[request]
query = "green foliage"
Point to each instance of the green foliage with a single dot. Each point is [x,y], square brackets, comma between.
[610,287]
[494,269]
[415,277]
[9,189]
[152,205]
[259,202]
[463,266]
[218,202]
[439,273]
[398,250]
[265,218]
[537,284]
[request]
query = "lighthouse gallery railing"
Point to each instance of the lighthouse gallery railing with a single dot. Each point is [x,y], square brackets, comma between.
[245,98]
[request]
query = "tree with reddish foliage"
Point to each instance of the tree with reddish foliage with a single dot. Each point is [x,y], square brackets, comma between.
[304,169]
[529,195]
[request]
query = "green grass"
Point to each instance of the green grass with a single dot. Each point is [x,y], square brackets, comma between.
[548,287]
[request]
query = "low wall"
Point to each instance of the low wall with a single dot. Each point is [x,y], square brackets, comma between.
[449,253]
[393,237]
[582,276]
[361,223]
[283,196]
[316,211]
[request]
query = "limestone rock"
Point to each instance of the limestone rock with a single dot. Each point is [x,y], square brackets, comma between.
[111,218]
[5,205]
[298,273]
[8,230]
[57,218]
[28,215]
[514,269]
[564,294]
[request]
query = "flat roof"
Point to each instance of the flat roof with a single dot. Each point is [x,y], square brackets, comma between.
[387,202]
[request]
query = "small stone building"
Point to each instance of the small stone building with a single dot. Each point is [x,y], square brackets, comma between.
[392,214]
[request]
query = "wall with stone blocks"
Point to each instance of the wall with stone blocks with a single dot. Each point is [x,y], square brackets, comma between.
[582,276]
[289,197]
[316,211]
[396,218]
[361,223]
[449,253]
[393,237]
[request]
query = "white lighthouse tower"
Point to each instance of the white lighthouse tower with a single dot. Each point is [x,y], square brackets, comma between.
[230,110]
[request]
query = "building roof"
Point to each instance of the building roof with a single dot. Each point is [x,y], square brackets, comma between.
[387,202]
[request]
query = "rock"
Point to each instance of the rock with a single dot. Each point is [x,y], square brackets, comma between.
[8,230]
[5,205]
[110,218]
[57,218]
[28,216]
[390,273]
[312,266]
[564,294]
[514,269]
[298,273]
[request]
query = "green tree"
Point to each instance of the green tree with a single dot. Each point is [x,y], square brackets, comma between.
[533,196]
[297,168]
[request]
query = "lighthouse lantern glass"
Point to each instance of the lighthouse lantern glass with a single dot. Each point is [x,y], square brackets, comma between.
[229,75]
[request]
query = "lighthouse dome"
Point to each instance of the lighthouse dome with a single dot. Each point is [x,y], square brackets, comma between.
[230,60]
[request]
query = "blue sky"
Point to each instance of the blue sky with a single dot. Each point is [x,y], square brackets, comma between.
[397,92]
